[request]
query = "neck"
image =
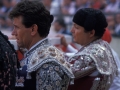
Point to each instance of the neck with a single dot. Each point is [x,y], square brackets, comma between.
[34,41]
[90,41]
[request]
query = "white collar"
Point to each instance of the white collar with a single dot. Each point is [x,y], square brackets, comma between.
[36,44]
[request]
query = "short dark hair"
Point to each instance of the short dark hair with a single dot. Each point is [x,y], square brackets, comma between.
[61,22]
[90,19]
[33,12]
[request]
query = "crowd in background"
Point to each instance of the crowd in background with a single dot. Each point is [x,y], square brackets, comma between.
[66,9]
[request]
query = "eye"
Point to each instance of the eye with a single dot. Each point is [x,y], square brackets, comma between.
[16,27]
[76,26]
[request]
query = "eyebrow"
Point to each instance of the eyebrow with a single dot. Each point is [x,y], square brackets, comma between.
[15,25]
[74,24]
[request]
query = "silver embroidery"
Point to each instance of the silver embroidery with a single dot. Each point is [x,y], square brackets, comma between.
[95,56]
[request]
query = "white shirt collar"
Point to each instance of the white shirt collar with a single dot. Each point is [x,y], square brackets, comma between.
[35,45]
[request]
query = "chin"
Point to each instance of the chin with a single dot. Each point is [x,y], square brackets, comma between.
[20,46]
[75,41]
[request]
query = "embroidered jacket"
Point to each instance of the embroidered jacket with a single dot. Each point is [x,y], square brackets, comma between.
[93,66]
[8,60]
[44,68]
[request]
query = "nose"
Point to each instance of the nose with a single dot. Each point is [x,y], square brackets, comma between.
[72,29]
[13,32]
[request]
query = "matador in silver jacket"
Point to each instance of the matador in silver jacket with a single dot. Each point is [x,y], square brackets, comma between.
[44,68]
[94,67]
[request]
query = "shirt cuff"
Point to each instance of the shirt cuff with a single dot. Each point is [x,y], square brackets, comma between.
[71,49]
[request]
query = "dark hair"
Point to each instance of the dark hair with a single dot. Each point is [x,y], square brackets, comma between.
[61,22]
[33,12]
[90,19]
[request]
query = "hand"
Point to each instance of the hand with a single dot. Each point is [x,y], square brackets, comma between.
[63,40]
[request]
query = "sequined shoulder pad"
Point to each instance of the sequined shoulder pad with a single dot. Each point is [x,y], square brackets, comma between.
[101,56]
[47,54]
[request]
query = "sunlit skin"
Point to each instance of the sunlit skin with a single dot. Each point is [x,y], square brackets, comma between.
[80,36]
[25,37]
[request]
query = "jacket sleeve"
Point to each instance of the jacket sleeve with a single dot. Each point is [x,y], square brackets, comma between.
[82,65]
[7,71]
[51,77]
[8,58]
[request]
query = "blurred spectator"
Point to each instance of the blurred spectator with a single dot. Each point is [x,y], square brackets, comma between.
[1,4]
[68,7]
[98,4]
[113,6]
[4,10]
[6,7]
[77,4]
[61,27]
[117,27]
[52,6]
[95,4]
[82,4]
[111,23]
[8,21]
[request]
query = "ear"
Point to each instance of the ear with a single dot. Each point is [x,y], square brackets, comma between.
[34,29]
[92,33]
